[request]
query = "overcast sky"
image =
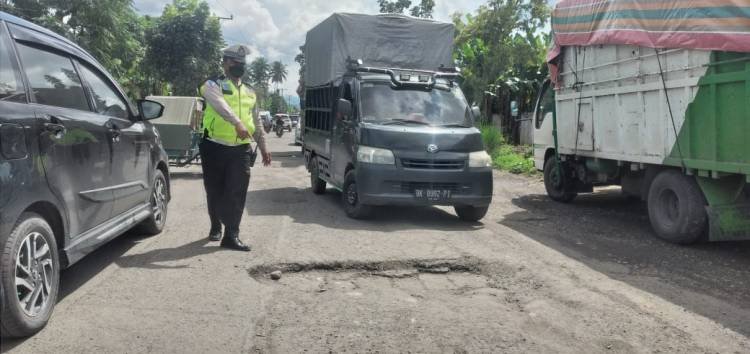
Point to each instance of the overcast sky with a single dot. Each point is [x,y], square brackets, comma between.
[276,28]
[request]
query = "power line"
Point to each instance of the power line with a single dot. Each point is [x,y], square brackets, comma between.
[242,32]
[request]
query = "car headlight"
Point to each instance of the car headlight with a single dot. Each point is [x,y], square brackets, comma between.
[373,155]
[480,159]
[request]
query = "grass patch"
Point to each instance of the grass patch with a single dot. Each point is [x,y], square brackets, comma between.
[505,157]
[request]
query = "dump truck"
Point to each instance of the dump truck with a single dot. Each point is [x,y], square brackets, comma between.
[386,122]
[654,97]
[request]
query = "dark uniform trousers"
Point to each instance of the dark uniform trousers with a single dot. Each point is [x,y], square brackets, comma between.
[226,176]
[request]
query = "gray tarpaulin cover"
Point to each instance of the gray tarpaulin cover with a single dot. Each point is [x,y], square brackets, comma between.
[390,41]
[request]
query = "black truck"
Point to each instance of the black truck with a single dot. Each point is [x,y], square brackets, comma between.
[386,122]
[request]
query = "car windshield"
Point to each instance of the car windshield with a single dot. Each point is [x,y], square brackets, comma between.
[443,106]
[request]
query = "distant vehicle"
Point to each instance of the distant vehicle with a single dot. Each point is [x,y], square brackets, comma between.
[265,119]
[670,126]
[388,135]
[287,122]
[298,132]
[180,128]
[295,120]
[79,165]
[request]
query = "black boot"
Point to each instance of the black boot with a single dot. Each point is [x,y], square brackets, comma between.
[214,234]
[233,242]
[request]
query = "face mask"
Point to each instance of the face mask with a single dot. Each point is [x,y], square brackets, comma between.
[237,70]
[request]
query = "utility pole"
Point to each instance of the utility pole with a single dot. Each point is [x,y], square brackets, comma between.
[230,18]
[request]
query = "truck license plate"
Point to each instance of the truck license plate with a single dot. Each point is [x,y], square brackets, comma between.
[433,194]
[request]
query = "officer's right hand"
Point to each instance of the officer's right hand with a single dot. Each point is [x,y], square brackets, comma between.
[242,131]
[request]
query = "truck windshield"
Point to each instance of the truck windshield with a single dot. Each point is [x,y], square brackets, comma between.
[381,104]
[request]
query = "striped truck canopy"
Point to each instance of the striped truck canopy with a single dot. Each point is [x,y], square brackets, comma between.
[722,25]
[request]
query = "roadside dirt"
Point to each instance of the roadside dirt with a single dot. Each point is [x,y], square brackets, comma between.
[612,234]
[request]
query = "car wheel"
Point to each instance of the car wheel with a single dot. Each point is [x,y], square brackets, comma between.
[159,206]
[30,276]
[318,185]
[558,183]
[470,213]
[677,208]
[350,196]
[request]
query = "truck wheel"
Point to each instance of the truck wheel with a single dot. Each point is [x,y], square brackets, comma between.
[159,199]
[350,195]
[558,185]
[30,276]
[318,185]
[677,208]
[470,213]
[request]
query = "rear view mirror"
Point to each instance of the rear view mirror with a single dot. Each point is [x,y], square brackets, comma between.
[344,108]
[150,109]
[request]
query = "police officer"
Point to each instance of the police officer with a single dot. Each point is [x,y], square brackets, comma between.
[229,125]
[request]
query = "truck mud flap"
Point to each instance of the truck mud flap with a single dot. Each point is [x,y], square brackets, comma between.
[729,222]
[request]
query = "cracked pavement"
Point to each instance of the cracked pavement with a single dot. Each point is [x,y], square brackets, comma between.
[534,276]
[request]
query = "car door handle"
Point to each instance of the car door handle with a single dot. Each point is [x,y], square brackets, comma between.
[54,128]
[54,125]
[114,133]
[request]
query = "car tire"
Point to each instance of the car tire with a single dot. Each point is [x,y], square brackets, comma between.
[471,213]
[158,200]
[42,277]
[318,185]
[560,186]
[677,208]
[350,197]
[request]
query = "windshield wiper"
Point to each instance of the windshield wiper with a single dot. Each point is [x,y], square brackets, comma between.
[404,121]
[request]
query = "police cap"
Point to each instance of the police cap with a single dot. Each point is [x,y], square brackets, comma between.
[237,52]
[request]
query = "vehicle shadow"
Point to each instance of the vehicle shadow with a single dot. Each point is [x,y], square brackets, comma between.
[326,210]
[73,278]
[612,234]
[80,273]
[151,259]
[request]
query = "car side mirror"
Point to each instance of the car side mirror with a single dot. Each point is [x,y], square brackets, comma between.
[476,112]
[150,109]
[343,108]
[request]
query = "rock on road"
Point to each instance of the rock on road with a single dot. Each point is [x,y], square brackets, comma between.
[534,276]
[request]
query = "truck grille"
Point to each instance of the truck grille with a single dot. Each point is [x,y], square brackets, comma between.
[433,164]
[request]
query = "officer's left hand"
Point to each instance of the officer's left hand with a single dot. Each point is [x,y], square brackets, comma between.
[266,158]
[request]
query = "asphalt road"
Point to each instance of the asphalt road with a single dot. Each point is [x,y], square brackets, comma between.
[534,276]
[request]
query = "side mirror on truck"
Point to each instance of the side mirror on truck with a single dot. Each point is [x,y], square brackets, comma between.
[343,109]
[476,113]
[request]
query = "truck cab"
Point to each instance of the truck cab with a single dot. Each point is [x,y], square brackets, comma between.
[387,137]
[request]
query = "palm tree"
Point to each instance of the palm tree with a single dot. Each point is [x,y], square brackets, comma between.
[278,73]
[259,75]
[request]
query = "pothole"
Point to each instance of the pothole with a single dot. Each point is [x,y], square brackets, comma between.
[389,269]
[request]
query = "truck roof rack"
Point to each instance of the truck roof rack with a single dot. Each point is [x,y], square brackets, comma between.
[426,79]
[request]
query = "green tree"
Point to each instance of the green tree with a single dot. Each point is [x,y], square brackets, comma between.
[501,50]
[184,46]
[259,74]
[278,73]
[110,30]
[277,104]
[424,9]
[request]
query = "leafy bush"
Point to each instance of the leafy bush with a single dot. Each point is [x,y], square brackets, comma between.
[514,159]
[492,138]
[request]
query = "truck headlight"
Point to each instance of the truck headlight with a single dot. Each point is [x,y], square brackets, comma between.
[373,155]
[480,159]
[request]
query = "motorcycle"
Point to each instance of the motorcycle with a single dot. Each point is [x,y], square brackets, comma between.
[279,128]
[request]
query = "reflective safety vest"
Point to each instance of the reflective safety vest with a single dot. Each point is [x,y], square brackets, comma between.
[242,101]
